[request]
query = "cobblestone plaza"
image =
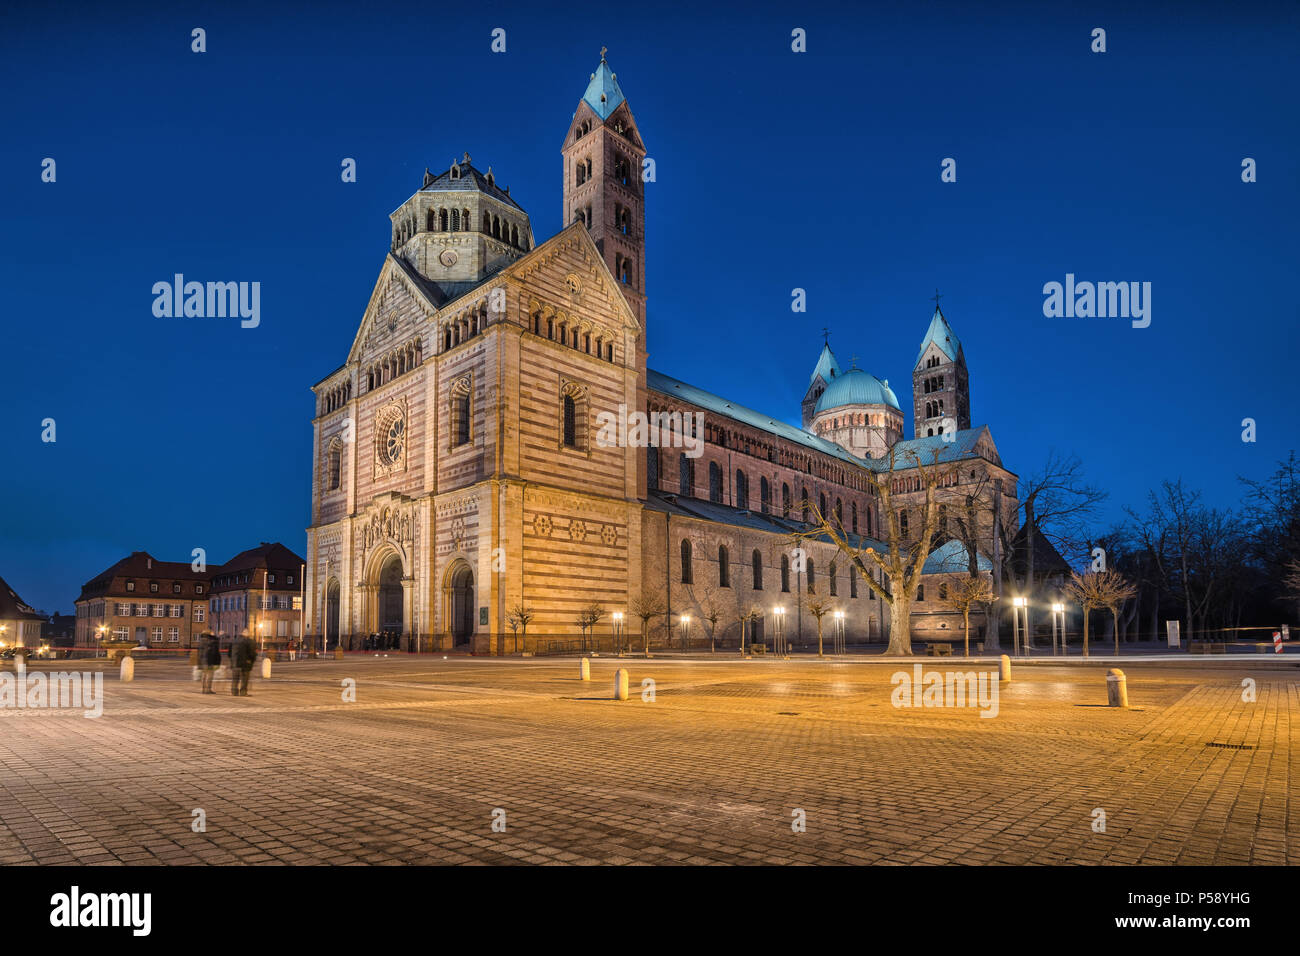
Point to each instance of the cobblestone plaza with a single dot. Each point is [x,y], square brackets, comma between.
[714,769]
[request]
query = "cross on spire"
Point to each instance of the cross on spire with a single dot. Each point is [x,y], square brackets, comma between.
[602,54]
[826,336]
[853,362]
[937,297]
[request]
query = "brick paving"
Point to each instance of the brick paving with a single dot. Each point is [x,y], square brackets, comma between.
[709,772]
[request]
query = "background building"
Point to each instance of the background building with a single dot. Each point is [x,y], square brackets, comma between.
[20,625]
[160,604]
[258,592]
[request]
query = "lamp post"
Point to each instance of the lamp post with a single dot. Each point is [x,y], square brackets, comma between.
[102,629]
[1017,638]
[618,632]
[1058,608]
[778,639]
[839,632]
[686,631]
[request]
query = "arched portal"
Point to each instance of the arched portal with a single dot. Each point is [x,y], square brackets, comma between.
[332,614]
[389,603]
[459,602]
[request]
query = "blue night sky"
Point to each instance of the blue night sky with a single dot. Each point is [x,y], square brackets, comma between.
[775,170]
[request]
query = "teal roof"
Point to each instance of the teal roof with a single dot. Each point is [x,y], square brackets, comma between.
[932,449]
[856,387]
[667,385]
[603,94]
[953,558]
[826,367]
[942,335]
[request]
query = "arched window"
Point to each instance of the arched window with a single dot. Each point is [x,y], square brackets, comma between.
[785,500]
[853,515]
[715,483]
[831,574]
[442,220]
[853,581]
[652,467]
[573,410]
[687,577]
[765,495]
[812,577]
[803,505]
[685,476]
[785,573]
[455,220]
[570,421]
[756,560]
[742,490]
[839,513]
[724,567]
[335,465]
[902,523]
[869,521]
[821,508]
[460,412]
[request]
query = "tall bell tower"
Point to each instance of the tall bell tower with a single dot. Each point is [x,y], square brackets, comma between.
[603,153]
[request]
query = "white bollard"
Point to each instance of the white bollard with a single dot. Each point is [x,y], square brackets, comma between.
[266,668]
[128,668]
[620,684]
[584,669]
[20,664]
[1005,667]
[1116,688]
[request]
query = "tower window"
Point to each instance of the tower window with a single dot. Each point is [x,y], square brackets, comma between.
[573,411]
[460,412]
[570,422]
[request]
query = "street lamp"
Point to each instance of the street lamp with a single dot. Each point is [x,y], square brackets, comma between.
[686,631]
[1058,608]
[1017,638]
[778,640]
[618,632]
[839,632]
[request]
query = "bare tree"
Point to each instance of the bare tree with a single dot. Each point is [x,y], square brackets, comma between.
[1196,549]
[967,593]
[819,608]
[647,608]
[588,618]
[1058,503]
[710,614]
[906,547]
[1097,589]
[518,617]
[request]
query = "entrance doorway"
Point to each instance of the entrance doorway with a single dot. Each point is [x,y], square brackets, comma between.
[391,611]
[462,606]
[332,614]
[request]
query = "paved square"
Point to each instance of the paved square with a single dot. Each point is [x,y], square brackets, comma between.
[711,771]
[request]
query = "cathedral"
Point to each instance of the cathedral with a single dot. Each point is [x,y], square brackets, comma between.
[458,473]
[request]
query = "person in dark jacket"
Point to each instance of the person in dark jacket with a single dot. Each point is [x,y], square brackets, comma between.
[209,660]
[242,655]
